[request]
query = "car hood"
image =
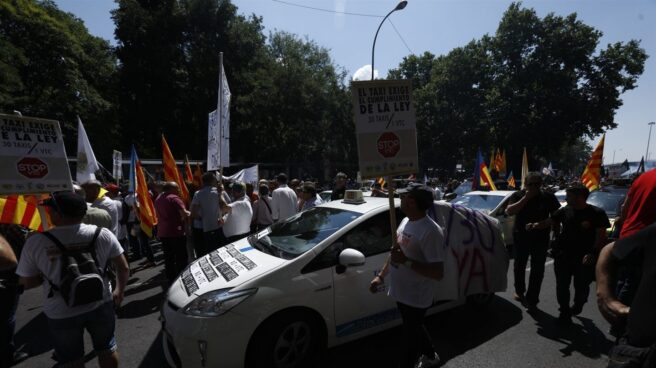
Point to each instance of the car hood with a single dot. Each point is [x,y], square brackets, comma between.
[226,267]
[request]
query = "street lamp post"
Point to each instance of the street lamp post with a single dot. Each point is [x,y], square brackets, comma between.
[648,139]
[399,6]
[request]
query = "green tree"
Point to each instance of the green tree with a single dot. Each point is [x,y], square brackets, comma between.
[537,83]
[51,67]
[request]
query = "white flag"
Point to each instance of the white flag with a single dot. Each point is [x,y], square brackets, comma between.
[86,160]
[117,169]
[218,131]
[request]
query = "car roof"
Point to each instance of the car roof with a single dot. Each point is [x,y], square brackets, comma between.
[370,204]
[500,193]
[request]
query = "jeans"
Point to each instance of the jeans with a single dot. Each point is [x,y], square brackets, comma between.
[566,268]
[175,256]
[68,333]
[8,303]
[415,337]
[535,247]
[140,246]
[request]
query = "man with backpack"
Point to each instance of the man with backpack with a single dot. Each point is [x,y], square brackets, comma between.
[71,261]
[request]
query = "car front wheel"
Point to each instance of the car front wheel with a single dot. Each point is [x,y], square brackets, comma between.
[287,341]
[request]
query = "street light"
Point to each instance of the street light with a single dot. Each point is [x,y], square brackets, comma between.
[648,139]
[400,6]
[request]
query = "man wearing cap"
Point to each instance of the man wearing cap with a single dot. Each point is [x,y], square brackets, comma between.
[417,262]
[92,191]
[284,199]
[239,214]
[580,230]
[40,263]
[340,187]
[171,229]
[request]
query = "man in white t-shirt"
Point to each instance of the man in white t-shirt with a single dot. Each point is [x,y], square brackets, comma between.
[205,207]
[417,262]
[41,264]
[284,200]
[92,191]
[239,214]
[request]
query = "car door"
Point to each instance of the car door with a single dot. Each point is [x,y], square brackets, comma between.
[359,312]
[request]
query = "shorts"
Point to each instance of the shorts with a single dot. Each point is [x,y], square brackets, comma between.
[68,333]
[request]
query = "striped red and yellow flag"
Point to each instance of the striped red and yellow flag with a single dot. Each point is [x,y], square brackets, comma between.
[511,181]
[171,172]
[591,177]
[146,209]
[25,211]
[198,176]
[189,176]
[381,181]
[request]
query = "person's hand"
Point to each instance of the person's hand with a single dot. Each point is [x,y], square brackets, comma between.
[588,259]
[531,226]
[117,296]
[375,283]
[397,256]
[612,309]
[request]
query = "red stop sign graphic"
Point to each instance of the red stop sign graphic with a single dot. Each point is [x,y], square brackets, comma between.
[388,144]
[32,168]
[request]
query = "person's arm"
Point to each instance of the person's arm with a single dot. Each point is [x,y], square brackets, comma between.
[30,281]
[7,257]
[122,275]
[380,277]
[544,224]
[225,207]
[195,211]
[610,308]
[514,208]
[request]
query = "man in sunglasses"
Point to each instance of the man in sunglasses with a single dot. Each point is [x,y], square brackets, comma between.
[533,209]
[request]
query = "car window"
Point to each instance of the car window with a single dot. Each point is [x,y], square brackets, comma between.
[290,238]
[371,237]
[479,201]
[610,202]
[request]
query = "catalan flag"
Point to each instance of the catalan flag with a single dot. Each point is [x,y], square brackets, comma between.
[511,181]
[482,175]
[24,210]
[198,176]
[171,172]
[189,176]
[498,161]
[504,167]
[591,177]
[381,181]
[145,207]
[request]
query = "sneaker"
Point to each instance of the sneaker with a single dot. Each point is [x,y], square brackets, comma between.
[426,361]
[576,309]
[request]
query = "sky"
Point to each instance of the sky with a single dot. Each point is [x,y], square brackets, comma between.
[438,26]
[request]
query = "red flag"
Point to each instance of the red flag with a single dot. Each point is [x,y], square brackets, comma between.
[591,177]
[189,177]
[171,172]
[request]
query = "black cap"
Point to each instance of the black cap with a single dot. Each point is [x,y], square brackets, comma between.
[420,192]
[577,188]
[67,203]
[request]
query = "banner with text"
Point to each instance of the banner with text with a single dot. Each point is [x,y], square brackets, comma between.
[385,127]
[32,156]
[117,168]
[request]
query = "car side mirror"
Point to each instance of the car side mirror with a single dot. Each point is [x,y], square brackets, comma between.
[350,257]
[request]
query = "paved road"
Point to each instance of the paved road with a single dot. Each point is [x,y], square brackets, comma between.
[502,335]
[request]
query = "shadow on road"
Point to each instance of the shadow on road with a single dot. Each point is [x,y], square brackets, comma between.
[454,332]
[32,336]
[585,338]
[141,307]
[155,355]
[155,281]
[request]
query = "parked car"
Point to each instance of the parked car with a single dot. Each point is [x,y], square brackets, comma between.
[610,200]
[276,298]
[491,203]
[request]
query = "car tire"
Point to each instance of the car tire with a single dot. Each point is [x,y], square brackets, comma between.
[290,340]
[480,300]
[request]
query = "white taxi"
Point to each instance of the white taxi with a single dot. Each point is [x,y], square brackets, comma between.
[277,298]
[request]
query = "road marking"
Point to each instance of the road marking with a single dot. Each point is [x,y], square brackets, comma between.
[546,264]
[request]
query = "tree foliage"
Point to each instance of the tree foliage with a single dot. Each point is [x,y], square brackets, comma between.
[51,67]
[537,82]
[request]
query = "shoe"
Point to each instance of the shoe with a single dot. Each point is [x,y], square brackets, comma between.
[531,307]
[576,309]
[149,264]
[19,356]
[518,297]
[564,319]
[426,361]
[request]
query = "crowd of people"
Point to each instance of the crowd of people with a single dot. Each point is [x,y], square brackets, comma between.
[97,232]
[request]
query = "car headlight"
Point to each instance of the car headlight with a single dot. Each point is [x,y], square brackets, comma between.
[217,302]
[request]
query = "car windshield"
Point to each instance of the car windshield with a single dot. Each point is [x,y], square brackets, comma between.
[298,234]
[463,188]
[481,202]
[610,202]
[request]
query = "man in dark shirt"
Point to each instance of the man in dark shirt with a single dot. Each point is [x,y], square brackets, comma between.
[532,208]
[340,187]
[641,318]
[580,230]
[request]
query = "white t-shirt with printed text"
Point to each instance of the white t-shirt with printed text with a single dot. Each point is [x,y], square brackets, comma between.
[40,256]
[422,241]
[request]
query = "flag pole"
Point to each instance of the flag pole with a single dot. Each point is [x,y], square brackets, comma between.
[219,114]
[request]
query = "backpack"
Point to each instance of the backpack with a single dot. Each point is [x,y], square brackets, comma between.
[81,281]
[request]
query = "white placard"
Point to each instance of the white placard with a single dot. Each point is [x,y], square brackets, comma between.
[117,160]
